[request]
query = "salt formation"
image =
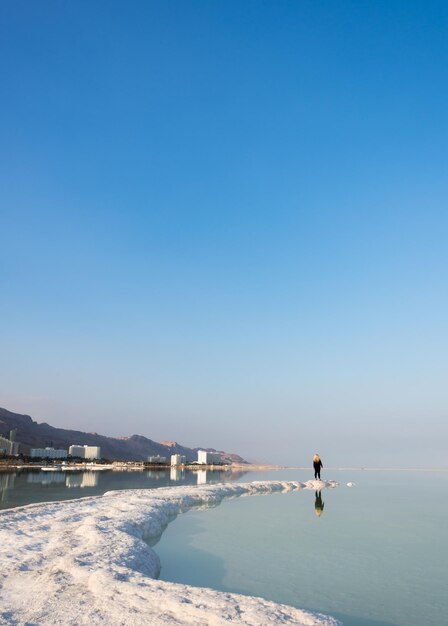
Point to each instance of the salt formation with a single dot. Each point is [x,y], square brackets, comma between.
[86,561]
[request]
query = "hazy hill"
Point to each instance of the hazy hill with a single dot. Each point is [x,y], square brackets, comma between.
[33,435]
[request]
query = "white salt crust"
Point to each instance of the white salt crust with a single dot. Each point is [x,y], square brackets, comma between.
[86,562]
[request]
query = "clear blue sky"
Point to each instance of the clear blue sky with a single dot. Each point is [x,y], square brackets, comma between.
[225,223]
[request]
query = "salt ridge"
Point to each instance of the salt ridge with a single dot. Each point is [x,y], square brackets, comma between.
[86,561]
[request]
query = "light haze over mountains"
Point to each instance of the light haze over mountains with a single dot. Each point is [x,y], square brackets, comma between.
[30,434]
[227,222]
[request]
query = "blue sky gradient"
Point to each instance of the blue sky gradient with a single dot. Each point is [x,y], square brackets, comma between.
[225,223]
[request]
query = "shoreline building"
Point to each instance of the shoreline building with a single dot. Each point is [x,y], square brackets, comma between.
[85,452]
[178,459]
[209,458]
[9,447]
[158,460]
[48,453]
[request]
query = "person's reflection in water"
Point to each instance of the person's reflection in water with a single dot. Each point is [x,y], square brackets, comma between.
[318,504]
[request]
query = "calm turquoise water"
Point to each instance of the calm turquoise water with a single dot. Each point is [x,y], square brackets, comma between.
[377,555]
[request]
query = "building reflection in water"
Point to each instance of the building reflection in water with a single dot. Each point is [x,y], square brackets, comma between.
[157,474]
[177,474]
[318,504]
[85,479]
[79,479]
[11,483]
[6,482]
[45,478]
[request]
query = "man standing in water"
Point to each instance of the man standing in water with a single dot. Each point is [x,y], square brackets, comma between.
[317,464]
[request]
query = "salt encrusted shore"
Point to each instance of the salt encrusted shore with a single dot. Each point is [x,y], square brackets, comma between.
[86,562]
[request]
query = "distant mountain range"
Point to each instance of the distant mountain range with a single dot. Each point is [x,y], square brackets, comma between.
[33,435]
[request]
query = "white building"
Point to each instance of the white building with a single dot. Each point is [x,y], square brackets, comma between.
[209,458]
[85,452]
[178,459]
[76,451]
[92,452]
[48,453]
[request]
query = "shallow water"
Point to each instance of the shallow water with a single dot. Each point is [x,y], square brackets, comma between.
[376,556]
[29,486]
[85,561]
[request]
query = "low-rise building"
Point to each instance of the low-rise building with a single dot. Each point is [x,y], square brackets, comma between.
[157,459]
[48,453]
